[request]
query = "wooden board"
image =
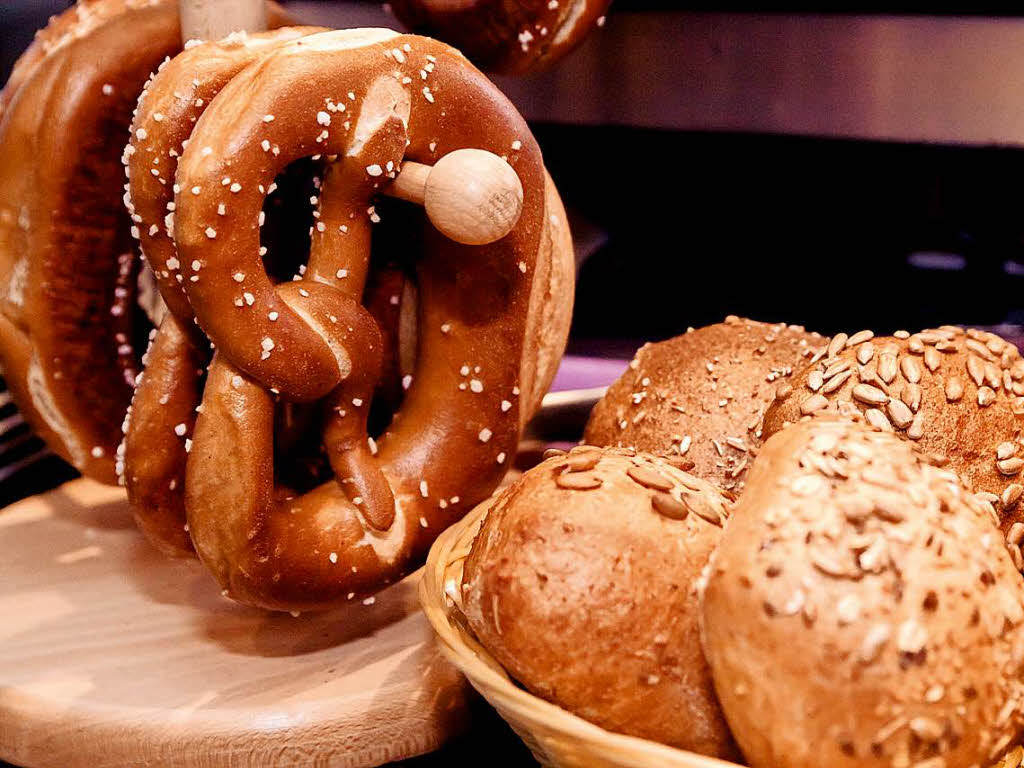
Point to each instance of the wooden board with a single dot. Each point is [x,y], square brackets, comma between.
[113,655]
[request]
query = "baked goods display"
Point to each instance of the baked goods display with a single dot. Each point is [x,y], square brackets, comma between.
[873,589]
[859,607]
[353,279]
[261,458]
[508,38]
[581,583]
[702,395]
[957,393]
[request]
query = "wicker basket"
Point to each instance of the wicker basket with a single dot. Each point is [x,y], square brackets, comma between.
[556,737]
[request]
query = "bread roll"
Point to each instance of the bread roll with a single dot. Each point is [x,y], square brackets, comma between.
[956,393]
[581,583]
[702,395]
[861,610]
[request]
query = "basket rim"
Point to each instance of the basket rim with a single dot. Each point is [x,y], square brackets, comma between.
[490,679]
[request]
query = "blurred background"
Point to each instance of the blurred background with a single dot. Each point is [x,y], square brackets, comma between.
[841,170]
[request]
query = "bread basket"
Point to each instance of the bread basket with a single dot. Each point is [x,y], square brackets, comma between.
[556,737]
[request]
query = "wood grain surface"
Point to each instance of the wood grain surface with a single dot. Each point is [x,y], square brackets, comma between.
[113,655]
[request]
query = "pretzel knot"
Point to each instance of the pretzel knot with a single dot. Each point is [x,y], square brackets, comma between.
[364,101]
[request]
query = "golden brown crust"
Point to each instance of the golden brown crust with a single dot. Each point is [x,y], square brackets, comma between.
[551,300]
[702,395]
[65,250]
[584,591]
[957,393]
[862,611]
[353,97]
[508,38]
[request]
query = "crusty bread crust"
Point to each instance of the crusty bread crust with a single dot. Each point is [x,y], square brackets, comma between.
[703,395]
[584,591]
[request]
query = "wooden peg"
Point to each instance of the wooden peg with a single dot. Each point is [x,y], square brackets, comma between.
[472,196]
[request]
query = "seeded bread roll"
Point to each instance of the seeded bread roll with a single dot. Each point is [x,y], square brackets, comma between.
[861,610]
[581,583]
[703,395]
[957,393]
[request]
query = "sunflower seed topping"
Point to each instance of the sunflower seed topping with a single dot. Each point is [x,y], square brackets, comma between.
[650,478]
[870,395]
[813,404]
[899,413]
[911,369]
[1011,466]
[986,396]
[954,389]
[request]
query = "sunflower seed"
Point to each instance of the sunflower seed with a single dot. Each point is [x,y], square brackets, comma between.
[1011,495]
[582,461]
[702,509]
[911,369]
[915,345]
[578,481]
[866,393]
[813,404]
[992,375]
[650,478]
[669,506]
[835,368]
[887,367]
[930,337]
[552,452]
[836,345]
[932,359]
[979,349]
[859,338]
[815,380]
[1005,450]
[877,419]
[1011,466]
[911,395]
[865,352]
[976,370]
[916,431]
[948,347]
[836,382]
[1016,533]
[783,391]
[899,413]
[986,396]
[954,389]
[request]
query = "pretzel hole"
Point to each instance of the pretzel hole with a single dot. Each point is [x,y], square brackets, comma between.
[389,295]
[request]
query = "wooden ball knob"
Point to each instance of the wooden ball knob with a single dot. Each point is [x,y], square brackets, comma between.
[473,196]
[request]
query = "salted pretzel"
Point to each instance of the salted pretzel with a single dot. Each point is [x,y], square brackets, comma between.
[69,322]
[491,319]
[511,38]
[171,386]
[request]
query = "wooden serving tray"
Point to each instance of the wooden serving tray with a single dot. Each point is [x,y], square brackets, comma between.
[113,655]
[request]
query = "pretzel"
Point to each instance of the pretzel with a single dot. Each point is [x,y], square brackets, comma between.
[69,322]
[171,386]
[508,38]
[357,96]
[65,333]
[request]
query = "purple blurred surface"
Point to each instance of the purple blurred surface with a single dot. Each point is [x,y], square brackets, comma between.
[578,372]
